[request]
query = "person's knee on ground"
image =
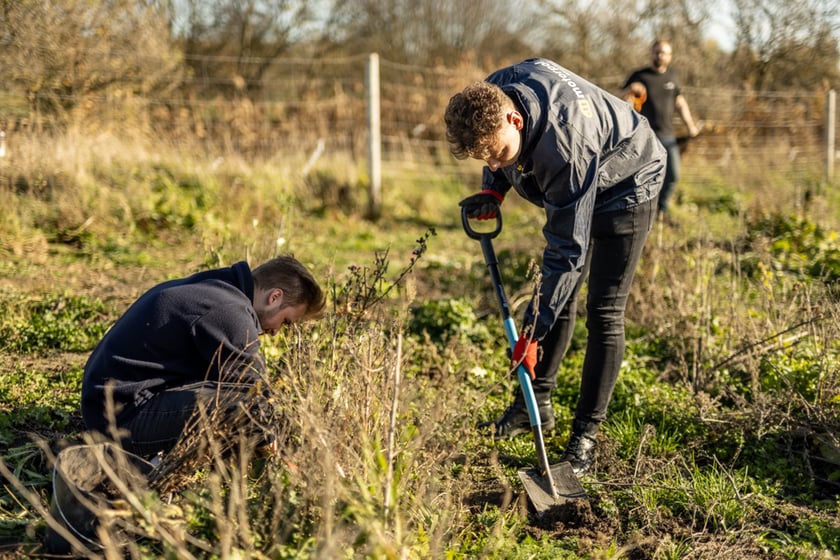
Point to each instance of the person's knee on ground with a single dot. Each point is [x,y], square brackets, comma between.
[207,416]
[238,420]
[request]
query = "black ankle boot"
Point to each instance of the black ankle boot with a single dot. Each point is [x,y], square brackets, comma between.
[515,419]
[580,451]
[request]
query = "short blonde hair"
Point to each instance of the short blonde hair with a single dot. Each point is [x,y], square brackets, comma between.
[473,117]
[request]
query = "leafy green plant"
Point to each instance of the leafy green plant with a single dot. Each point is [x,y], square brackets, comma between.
[444,319]
[55,322]
[176,203]
[719,438]
[798,372]
[800,246]
[719,198]
[38,400]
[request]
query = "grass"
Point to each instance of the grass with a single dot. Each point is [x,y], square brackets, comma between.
[721,439]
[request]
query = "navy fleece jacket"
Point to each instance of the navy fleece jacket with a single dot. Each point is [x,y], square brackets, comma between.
[203,327]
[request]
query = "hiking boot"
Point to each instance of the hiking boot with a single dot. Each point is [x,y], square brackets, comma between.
[515,419]
[580,451]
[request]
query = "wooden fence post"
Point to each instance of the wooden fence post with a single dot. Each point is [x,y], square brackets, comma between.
[830,133]
[374,137]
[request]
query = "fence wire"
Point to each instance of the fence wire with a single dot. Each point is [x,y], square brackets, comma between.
[299,106]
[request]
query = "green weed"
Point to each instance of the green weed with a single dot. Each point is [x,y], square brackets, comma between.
[443,319]
[799,246]
[800,372]
[717,442]
[38,401]
[53,322]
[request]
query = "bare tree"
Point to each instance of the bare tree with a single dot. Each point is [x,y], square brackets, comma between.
[424,31]
[783,44]
[605,39]
[60,52]
[595,39]
[681,22]
[232,44]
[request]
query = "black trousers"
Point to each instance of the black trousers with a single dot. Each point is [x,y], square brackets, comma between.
[173,413]
[615,247]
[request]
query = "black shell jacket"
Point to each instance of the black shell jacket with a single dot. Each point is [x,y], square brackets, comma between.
[584,152]
[203,327]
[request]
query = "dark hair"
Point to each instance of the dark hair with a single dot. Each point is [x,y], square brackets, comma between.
[298,285]
[473,117]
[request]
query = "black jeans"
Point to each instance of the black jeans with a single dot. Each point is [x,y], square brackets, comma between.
[161,421]
[616,244]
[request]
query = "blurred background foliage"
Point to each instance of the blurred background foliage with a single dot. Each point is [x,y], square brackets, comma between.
[56,53]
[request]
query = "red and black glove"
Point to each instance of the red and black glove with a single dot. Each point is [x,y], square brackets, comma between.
[525,352]
[483,205]
[637,95]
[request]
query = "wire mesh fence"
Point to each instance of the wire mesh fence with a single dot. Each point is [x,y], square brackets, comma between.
[310,107]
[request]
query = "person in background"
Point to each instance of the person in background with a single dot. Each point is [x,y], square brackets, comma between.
[656,92]
[595,166]
[189,343]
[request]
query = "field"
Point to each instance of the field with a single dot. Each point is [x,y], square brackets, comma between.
[722,440]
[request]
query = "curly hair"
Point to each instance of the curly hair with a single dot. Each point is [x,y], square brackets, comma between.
[473,117]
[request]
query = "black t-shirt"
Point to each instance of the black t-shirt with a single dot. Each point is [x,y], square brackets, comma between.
[662,91]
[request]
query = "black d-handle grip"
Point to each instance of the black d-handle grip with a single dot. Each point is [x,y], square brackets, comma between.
[465,221]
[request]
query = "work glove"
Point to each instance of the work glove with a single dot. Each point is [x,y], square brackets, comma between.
[525,353]
[637,95]
[483,205]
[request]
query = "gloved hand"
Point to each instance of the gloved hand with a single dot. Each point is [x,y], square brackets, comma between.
[637,95]
[525,352]
[484,205]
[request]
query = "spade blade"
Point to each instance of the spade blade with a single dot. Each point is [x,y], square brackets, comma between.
[567,487]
